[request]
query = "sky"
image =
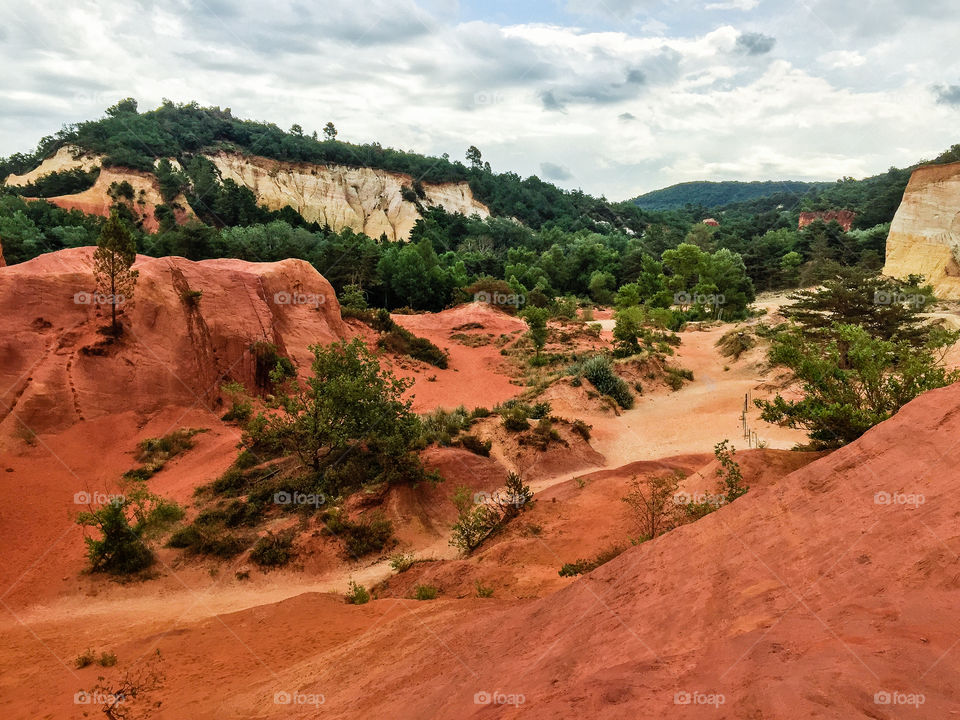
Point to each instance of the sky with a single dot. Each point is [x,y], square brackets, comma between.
[616,97]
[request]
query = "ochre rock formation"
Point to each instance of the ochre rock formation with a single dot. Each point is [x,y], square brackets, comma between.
[364,199]
[925,234]
[176,350]
[844,218]
[68,157]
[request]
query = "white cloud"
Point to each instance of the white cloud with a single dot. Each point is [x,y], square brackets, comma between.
[632,109]
[841,59]
[744,5]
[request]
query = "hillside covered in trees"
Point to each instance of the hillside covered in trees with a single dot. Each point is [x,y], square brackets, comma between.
[543,244]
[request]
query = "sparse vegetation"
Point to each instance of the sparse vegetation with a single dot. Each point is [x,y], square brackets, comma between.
[273,549]
[425,592]
[599,371]
[357,594]
[362,537]
[581,567]
[652,505]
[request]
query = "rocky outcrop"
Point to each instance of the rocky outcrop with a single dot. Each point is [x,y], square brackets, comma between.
[68,157]
[844,218]
[189,329]
[366,200]
[925,234]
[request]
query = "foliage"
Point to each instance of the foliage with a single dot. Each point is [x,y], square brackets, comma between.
[599,371]
[126,525]
[651,502]
[364,536]
[348,406]
[115,254]
[852,380]
[711,194]
[483,591]
[536,319]
[581,566]
[64,182]
[735,342]
[729,475]
[887,309]
[425,592]
[357,594]
[401,562]
[273,549]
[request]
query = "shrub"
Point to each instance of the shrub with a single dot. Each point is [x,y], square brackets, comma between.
[582,429]
[539,410]
[273,550]
[240,406]
[120,549]
[208,539]
[107,659]
[730,479]
[357,595]
[582,566]
[476,445]
[442,425]
[88,657]
[735,343]
[483,591]
[364,536]
[515,419]
[425,592]
[401,562]
[599,371]
[652,504]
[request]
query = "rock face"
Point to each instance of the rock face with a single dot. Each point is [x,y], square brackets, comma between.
[844,218]
[67,157]
[56,369]
[364,199]
[925,234]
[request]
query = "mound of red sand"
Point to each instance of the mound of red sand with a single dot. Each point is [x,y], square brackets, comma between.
[176,350]
[830,593]
[475,376]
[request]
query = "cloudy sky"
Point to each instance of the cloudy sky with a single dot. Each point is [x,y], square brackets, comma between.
[613,96]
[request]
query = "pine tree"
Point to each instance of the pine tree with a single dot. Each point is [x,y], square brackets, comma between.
[112,262]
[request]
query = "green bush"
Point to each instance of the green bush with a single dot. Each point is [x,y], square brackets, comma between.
[515,419]
[483,591]
[273,550]
[208,539]
[582,429]
[401,562]
[581,566]
[599,371]
[120,550]
[425,592]
[357,595]
[475,445]
[364,536]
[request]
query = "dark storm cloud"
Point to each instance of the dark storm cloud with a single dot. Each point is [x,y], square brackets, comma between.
[753,43]
[947,94]
[552,171]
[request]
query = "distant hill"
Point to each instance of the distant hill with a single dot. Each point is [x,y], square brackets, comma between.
[713,194]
